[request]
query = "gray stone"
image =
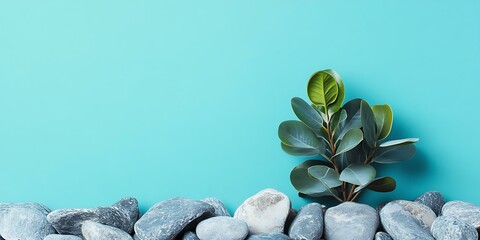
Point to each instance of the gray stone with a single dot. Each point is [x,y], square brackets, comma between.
[269,236]
[382,236]
[434,200]
[62,237]
[190,236]
[407,221]
[465,212]
[97,231]
[220,209]
[351,220]
[222,228]
[288,222]
[135,237]
[450,228]
[122,214]
[265,212]
[165,220]
[308,224]
[25,221]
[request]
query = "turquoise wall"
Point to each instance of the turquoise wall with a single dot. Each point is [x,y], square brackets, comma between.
[156,99]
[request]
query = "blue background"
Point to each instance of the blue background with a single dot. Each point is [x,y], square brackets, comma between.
[156,99]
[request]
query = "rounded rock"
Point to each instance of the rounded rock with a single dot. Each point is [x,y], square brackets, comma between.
[220,209]
[265,212]
[190,236]
[26,221]
[382,236]
[97,231]
[62,237]
[308,224]
[451,228]
[463,211]
[222,228]
[433,199]
[269,236]
[350,220]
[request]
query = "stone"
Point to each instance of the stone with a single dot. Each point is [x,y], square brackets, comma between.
[407,220]
[382,236]
[167,219]
[122,214]
[465,212]
[291,215]
[434,200]
[97,231]
[220,209]
[350,220]
[269,236]
[222,228]
[62,237]
[308,224]
[190,236]
[25,221]
[265,212]
[450,228]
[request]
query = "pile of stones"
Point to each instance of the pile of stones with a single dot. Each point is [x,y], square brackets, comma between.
[266,215]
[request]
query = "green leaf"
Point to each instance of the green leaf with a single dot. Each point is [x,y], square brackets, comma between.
[351,139]
[337,118]
[358,174]
[322,88]
[296,134]
[368,124]
[398,142]
[394,153]
[307,114]
[295,151]
[356,155]
[303,182]
[327,175]
[335,106]
[383,184]
[384,120]
[354,119]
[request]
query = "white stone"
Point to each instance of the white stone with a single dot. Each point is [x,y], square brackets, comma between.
[222,228]
[97,231]
[351,221]
[265,212]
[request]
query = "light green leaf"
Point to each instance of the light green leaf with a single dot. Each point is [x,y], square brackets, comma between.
[307,114]
[368,124]
[384,120]
[351,139]
[295,151]
[383,184]
[398,142]
[328,176]
[335,106]
[296,134]
[394,153]
[358,174]
[322,88]
[303,182]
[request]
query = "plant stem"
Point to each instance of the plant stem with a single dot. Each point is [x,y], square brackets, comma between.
[356,195]
[333,151]
[350,195]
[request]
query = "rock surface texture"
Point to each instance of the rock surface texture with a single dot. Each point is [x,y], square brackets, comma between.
[269,236]
[165,220]
[463,211]
[97,231]
[382,236]
[450,228]
[222,228]
[434,200]
[26,221]
[220,209]
[62,237]
[308,223]
[265,212]
[352,221]
[407,220]
[122,214]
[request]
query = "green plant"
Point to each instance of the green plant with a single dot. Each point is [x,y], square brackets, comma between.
[349,139]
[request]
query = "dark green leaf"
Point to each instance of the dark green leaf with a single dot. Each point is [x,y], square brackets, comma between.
[322,88]
[337,118]
[328,176]
[383,184]
[351,139]
[384,120]
[398,142]
[307,114]
[296,134]
[358,174]
[356,155]
[354,119]
[368,124]
[300,151]
[303,182]
[394,153]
